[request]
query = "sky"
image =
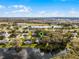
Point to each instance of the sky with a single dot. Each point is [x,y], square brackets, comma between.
[39,8]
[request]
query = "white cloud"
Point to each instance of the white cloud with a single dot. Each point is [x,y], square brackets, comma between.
[1,6]
[25,11]
[57,14]
[20,8]
[41,13]
[49,14]
[15,11]
[73,13]
[17,6]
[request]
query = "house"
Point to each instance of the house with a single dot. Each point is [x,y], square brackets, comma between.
[28,42]
[74,34]
[3,41]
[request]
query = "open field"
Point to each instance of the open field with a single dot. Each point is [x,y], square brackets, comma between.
[52,36]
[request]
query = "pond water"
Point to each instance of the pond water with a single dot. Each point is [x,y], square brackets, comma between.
[24,53]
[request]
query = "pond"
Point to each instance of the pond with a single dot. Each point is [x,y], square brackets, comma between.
[24,53]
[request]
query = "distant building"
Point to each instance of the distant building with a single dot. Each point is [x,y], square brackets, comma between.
[41,26]
[75,26]
[57,26]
